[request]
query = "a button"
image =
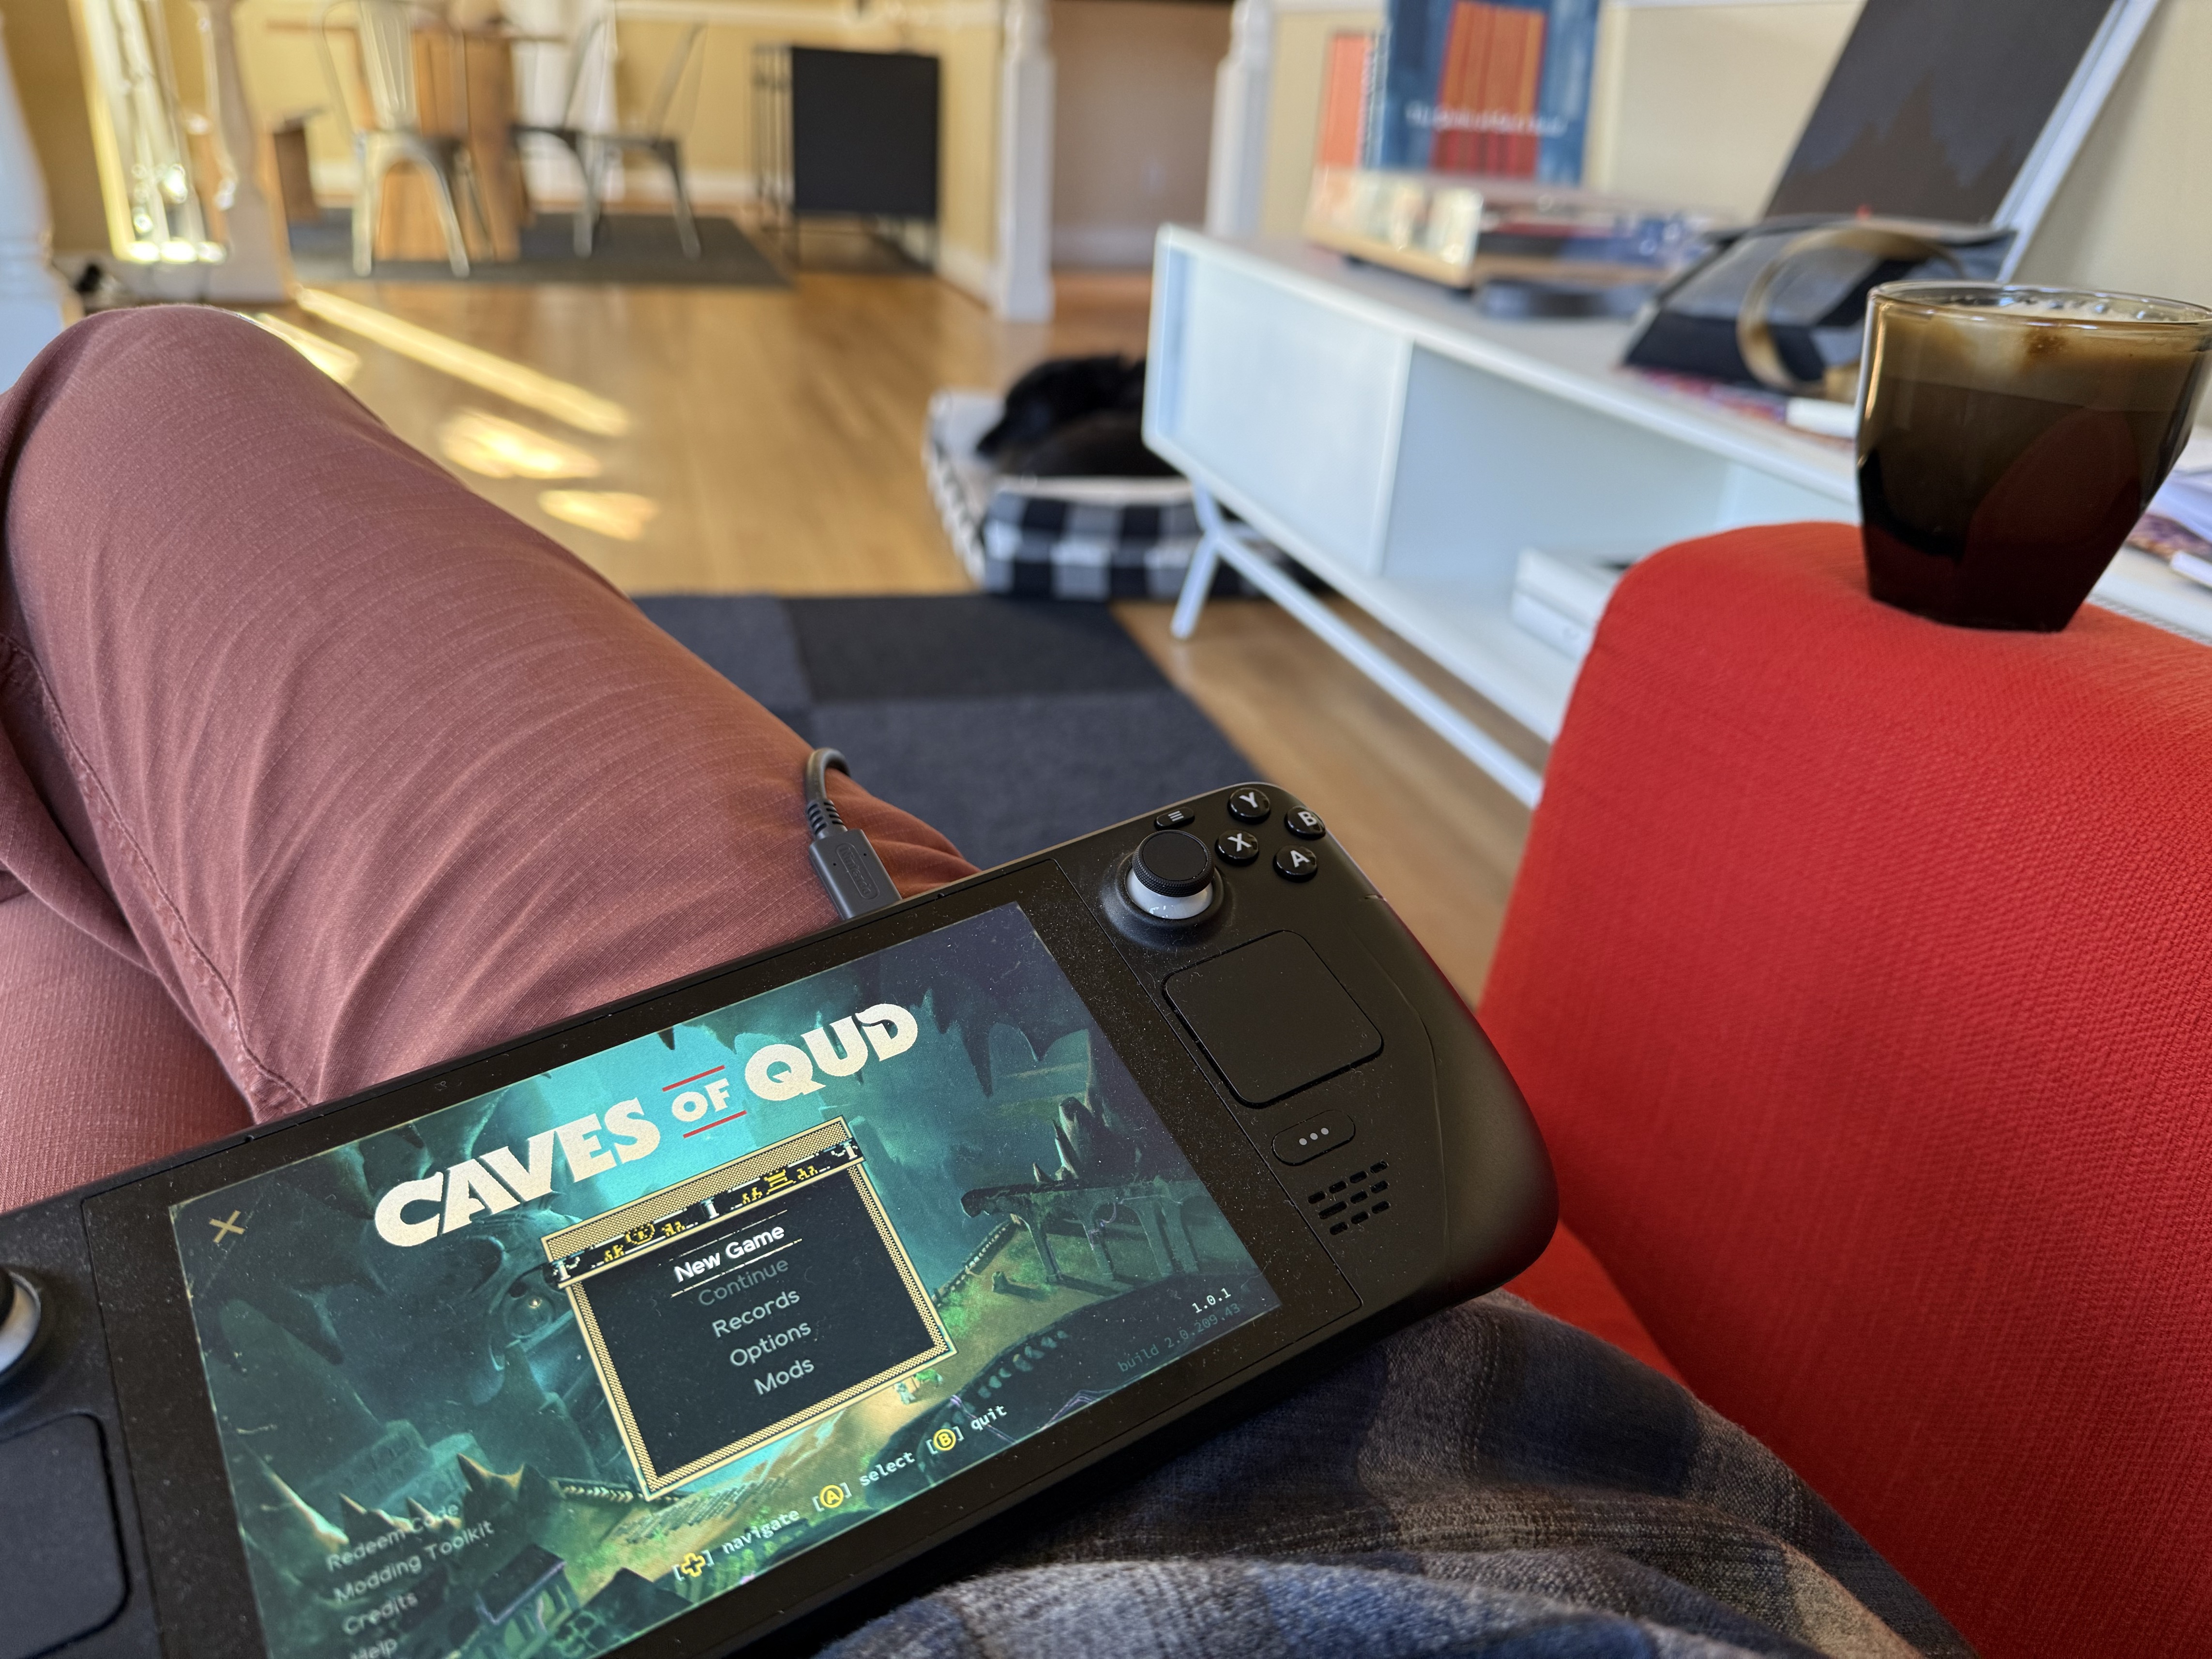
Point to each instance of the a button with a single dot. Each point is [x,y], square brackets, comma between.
[1250,805]
[1237,847]
[1171,877]
[1316,1135]
[1296,864]
[1305,824]
[1175,817]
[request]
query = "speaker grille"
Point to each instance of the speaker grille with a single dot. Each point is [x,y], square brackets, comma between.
[1360,1192]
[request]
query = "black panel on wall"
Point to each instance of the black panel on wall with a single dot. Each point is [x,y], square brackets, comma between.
[1935,105]
[864,132]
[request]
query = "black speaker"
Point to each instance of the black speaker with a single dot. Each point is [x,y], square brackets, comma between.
[1359,1191]
[864,133]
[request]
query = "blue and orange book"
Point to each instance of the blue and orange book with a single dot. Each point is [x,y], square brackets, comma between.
[1498,87]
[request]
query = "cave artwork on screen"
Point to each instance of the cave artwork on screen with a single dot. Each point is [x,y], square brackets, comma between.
[538,1371]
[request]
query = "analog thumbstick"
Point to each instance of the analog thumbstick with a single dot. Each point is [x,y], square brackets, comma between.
[1171,877]
[19,1319]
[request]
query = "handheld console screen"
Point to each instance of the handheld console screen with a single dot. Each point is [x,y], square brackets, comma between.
[728,1314]
[630,1333]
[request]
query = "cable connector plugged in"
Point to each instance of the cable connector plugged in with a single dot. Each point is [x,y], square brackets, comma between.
[844,860]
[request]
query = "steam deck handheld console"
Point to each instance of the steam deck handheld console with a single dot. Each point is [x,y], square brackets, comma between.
[725,1314]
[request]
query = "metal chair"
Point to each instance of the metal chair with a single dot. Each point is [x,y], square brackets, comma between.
[655,136]
[386,32]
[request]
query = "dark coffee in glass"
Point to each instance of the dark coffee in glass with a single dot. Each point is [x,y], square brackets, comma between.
[2009,438]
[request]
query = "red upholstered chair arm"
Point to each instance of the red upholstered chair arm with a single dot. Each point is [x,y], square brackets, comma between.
[1859,973]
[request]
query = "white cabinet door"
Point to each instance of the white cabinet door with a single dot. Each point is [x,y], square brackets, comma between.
[1282,400]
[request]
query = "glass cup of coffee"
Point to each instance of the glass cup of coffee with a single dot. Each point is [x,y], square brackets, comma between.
[2010,437]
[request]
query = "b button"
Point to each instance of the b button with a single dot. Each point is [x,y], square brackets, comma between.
[1296,864]
[1304,823]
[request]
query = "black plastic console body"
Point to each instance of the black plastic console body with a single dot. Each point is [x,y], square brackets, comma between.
[1334,1091]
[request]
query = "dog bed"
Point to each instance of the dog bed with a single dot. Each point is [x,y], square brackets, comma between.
[1063,538]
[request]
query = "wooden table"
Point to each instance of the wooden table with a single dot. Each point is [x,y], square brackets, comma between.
[463,86]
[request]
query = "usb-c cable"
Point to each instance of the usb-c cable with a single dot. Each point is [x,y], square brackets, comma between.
[844,859]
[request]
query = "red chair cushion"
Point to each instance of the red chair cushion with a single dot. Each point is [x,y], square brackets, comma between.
[1859,973]
[1568,1282]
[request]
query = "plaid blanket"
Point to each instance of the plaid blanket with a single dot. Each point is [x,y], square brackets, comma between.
[1491,1481]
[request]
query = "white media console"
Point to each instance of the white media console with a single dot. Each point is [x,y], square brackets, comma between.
[1407,450]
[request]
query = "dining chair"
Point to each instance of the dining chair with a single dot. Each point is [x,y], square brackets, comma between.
[384,32]
[657,134]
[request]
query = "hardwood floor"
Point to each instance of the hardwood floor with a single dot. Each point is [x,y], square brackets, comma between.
[777,431]
[773,446]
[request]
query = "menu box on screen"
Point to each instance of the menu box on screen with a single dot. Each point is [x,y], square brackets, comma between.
[729,1310]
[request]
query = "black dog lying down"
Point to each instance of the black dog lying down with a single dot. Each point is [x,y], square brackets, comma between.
[1076,417]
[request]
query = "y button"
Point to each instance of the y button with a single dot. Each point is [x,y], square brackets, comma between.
[1252,805]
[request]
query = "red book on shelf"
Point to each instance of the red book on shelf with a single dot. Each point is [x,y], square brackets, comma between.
[1485,99]
[1344,101]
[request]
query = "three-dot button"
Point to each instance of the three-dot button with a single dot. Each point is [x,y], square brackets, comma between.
[1252,805]
[1303,1142]
[1296,864]
[1237,847]
[1304,822]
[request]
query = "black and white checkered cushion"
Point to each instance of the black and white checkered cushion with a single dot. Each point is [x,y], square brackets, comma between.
[1047,544]
[1063,538]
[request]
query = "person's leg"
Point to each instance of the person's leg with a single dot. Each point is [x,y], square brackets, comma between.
[98,1069]
[366,773]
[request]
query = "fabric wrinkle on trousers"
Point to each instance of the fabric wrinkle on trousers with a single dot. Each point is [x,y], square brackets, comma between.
[322,769]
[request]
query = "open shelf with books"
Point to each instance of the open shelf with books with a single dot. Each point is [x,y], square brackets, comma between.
[1409,450]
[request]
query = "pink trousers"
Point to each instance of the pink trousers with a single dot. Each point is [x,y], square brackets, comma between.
[315,768]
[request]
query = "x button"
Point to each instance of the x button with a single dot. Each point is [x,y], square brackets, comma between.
[1237,847]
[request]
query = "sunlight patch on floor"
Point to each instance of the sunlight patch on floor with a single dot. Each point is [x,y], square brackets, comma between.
[486,370]
[495,447]
[610,512]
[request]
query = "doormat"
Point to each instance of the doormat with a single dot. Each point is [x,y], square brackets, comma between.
[636,248]
[1011,725]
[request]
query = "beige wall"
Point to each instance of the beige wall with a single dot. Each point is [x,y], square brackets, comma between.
[1702,104]
[282,74]
[1133,113]
[2135,212]
[1294,108]
[42,51]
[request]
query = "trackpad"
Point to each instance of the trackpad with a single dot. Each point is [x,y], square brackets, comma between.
[1273,1017]
[61,1573]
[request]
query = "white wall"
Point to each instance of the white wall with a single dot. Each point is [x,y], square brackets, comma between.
[1132,113]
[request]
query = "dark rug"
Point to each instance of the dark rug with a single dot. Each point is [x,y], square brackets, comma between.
[633,248]
[1008,724]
